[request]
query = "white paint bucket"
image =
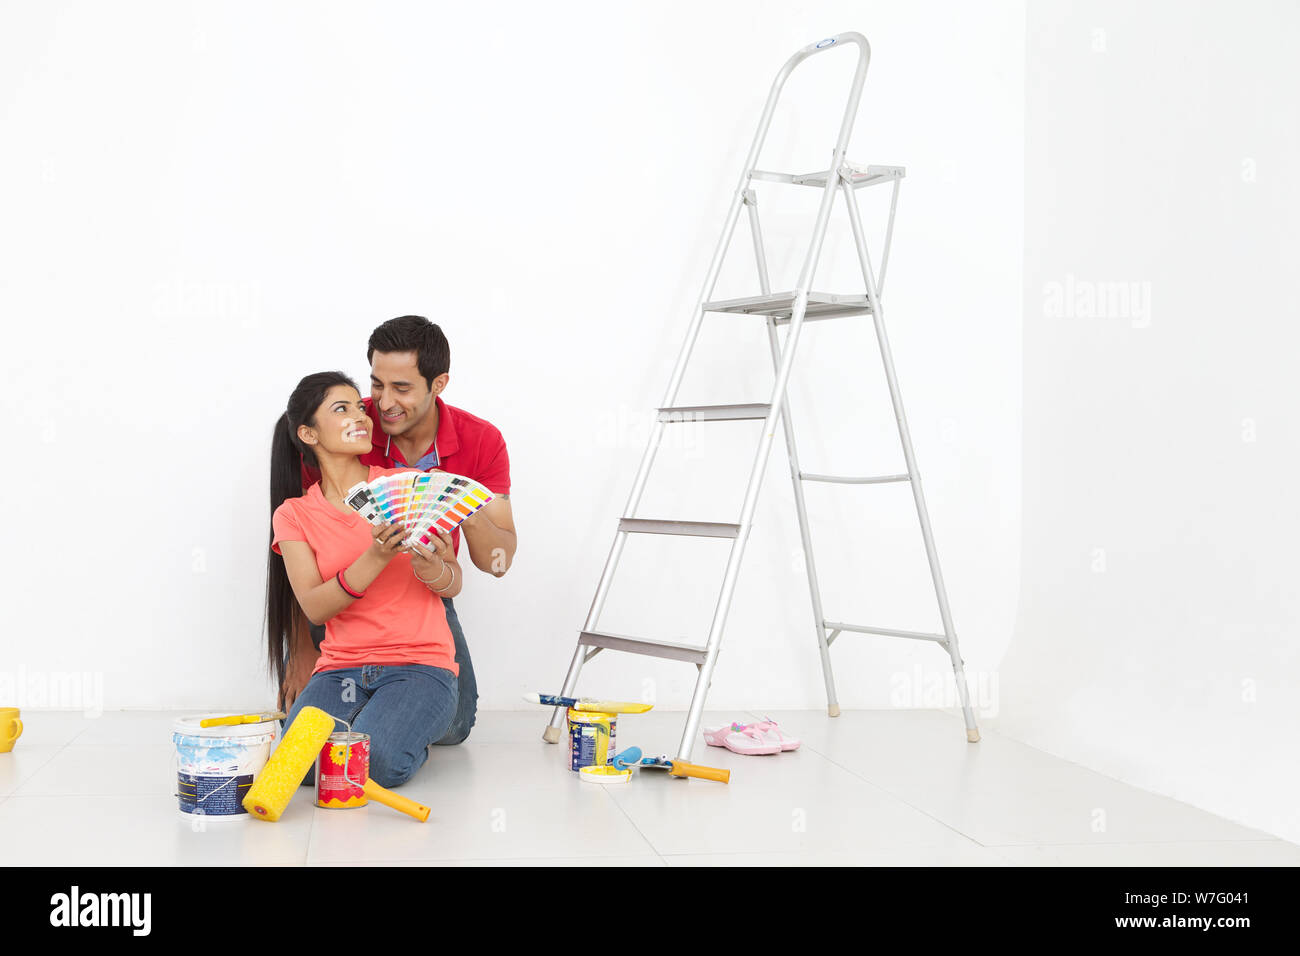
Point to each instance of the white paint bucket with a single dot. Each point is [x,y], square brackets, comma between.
[215,766]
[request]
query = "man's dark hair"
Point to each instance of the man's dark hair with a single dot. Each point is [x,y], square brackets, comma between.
[413,333]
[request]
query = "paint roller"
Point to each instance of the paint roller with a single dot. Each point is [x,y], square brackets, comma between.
[282,776]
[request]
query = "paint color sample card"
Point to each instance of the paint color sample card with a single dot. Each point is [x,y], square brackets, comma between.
[424,503]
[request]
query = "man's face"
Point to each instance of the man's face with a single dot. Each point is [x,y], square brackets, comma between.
[399,391]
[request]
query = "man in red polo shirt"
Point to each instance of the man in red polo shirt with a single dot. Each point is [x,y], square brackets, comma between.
[414,428]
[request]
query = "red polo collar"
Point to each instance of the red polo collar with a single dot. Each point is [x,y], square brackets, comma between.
[445,443]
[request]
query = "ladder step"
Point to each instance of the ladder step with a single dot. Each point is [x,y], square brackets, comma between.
[712,413]
[699,529]
[637,645]
[887,632]
[880,479]
[857,177]
[821,305]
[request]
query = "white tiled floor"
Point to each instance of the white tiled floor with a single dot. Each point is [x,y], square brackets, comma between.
[892,788]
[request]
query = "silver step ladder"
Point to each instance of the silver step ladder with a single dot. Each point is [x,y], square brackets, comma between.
[790,308]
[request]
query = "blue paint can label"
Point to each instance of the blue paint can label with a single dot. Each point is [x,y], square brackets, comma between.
[591,739]
[218,796]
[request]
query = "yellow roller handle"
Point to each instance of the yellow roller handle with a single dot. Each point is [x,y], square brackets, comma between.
[395,800]
[683,769]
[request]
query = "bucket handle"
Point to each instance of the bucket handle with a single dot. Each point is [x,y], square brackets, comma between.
[347,756]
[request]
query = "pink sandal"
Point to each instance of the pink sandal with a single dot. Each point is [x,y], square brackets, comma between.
[773,734]
[742,739]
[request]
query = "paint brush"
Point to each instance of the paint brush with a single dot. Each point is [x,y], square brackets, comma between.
[631,759]
[589,704]
[240,719]
[680,768]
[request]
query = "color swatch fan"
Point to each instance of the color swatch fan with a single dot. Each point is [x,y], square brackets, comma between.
[424,503]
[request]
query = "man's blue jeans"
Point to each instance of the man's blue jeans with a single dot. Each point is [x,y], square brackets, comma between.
[467,707]
[403,707]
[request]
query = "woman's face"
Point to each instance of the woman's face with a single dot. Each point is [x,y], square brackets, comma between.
[342,425]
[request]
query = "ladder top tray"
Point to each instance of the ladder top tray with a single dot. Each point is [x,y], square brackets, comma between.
[823,305]
[858,177]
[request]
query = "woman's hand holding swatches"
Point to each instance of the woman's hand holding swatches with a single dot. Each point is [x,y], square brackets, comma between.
[436,566]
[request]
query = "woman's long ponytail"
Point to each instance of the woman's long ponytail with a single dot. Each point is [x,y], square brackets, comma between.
[288,454]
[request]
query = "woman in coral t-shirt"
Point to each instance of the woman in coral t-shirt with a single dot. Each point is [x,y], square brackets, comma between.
[388,662]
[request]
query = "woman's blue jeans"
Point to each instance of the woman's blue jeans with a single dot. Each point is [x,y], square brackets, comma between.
[403,707]
[466,686]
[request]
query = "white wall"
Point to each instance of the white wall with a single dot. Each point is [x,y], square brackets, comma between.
[1156,639]
[203,203]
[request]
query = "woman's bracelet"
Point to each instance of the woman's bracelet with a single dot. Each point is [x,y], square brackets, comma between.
[441,563]
[430,584]
[449,583]
[344,585]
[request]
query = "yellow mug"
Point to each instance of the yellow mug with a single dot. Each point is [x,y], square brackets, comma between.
[11,728]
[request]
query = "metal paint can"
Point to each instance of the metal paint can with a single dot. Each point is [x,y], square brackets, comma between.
[591,739]
[343,751]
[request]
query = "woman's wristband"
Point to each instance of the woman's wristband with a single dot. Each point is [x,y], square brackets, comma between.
[344,585]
